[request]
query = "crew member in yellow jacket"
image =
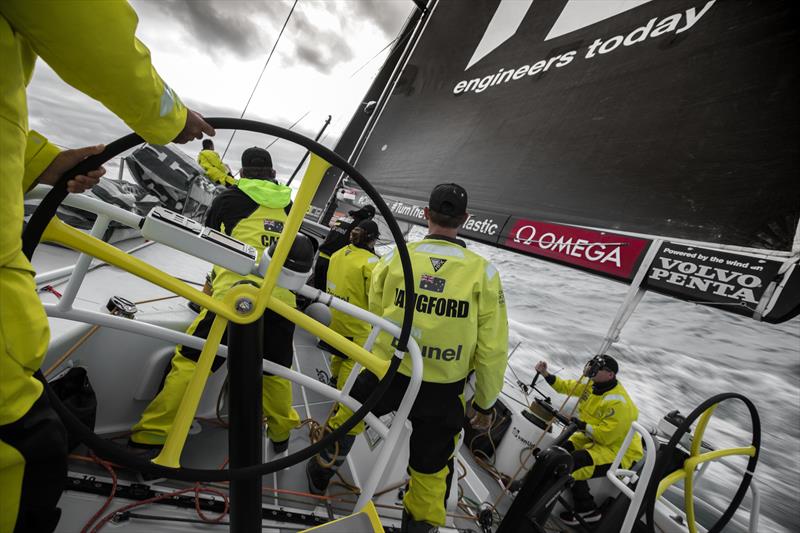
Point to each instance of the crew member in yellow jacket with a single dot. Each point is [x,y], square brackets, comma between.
[253,212]
[349,275]
[70,37]
[215,169]
[605,414]
[460,324]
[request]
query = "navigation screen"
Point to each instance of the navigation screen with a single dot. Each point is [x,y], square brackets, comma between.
[228,242]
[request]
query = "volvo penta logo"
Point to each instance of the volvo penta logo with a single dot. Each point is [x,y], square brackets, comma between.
[576,14]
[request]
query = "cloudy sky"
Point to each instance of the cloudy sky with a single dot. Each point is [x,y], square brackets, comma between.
[211,52]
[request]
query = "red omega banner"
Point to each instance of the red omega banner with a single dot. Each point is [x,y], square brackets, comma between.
[599,251]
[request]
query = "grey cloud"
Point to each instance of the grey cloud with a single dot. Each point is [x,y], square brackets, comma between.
[387,15]
[72,120]
[220,28]
[319,48]
[323,58]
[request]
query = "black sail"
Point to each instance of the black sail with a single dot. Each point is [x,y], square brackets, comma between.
[585,131]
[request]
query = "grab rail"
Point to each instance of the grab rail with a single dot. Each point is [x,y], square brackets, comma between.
[616,476]
[614,473]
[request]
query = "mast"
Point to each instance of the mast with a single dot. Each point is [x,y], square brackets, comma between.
[305,155]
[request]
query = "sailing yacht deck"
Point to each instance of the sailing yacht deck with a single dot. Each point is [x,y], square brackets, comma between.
[125,369]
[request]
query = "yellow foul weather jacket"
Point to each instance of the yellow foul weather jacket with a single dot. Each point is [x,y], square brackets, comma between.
[215,170]
[92,46]
[608,418]
[349,277]
[460,318]
[259,229]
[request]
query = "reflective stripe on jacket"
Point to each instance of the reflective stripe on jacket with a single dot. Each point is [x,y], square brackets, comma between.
[349,275]
[92,46]
[215,170]
[608,418]
[460,318]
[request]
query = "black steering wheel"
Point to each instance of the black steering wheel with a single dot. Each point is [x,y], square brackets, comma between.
[704,410]
[109,450]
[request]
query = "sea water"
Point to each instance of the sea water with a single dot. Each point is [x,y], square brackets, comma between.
[672,355]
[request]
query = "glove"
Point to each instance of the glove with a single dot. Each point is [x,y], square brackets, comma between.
[581,425]
[481,421]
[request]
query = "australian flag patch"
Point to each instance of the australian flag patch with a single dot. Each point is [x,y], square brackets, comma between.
[275,226]
[431,283]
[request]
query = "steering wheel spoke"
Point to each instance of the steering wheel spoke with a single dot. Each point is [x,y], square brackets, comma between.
[688,503]
[374,364]
[176,435]
[311,180]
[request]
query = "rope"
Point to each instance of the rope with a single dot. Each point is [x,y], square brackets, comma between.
[316,432]
[71,351]
[197,488]
[111,494]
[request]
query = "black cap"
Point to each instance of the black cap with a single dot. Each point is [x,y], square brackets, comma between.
[448,199]
[370,228]
[608,362]
[256,157]
[366,212]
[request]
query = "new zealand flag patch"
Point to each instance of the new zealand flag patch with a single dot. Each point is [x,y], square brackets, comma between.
[431,283]
[437,263]
[275,226]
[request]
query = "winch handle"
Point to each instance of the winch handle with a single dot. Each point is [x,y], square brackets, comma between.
[535,379]
[547,406]
[564,436]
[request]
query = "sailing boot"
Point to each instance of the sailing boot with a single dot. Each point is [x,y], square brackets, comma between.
[321,468]
[409,525]
[279,446]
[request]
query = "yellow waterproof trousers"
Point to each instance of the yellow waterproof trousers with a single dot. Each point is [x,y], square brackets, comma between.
[341,368]
[341,365]
[276,401]
[24,336]
[33,441]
